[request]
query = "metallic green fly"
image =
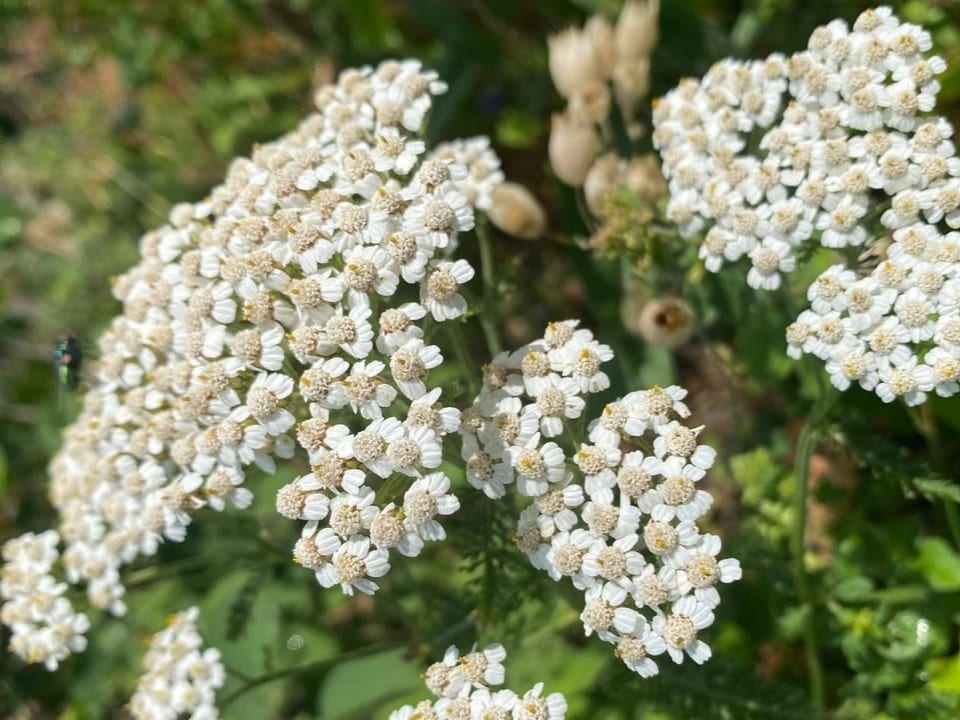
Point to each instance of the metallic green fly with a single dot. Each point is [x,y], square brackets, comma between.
[67,357]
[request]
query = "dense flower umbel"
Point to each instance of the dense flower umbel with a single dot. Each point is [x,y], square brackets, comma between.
[844,138]
[282,315]
[43,625]
[463,686]
[615,513]
[182,678]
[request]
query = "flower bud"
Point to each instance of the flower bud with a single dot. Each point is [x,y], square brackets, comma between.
[631,81]
[606,175]
[600,32]
[644,178]
[636,31]
[517,212]
[590,103]
[572,62]
[666,321]
[572,148]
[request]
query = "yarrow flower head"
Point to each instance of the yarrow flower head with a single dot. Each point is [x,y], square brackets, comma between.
[845,133]
[279,316]
[616,514]
[43,624]
[464,687]
[182,678]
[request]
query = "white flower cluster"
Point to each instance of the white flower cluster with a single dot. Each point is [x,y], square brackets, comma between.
[483,168]
[269,317]
[182,678]
[854,143]
[616,515]
[44,627]
[463,686]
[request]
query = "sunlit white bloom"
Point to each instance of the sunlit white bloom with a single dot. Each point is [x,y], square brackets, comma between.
[181,678]
[557,400]
[851,365]
[353,565]
[602,604]
[615,561]
[537,466]
[698,570]
[367,271]
[351,332]
[363,389]
[679,630]
[260,348]
[264,403]
[888,341]
[438,217]
[487,705]
[534,707]
[438,290]
[654,586]
[369,446]
[351,512]
[581,361]
[388,530]
[510,423]
[678,493]
[910,380]
[395,152]
[915,311]
[397,326]
[409,365]
[768,261]
[946,370]
[681,441]
[427,498]
[636,643]
[555,507]
[485,472]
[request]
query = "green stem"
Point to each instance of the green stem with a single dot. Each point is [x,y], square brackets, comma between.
[953,520]
[147,575]
[928,426]
[467,364]
[319,665]
[488,313]
[805,447]
[931,433]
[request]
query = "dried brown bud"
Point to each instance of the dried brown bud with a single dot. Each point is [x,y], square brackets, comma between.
[666,321]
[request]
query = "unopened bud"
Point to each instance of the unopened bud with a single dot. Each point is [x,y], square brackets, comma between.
[666,321]
[590,103]
[605,176]
[644,178]
[636,31]
[572,148]
[631,82]
[572,62]
[517,212]
[600,32]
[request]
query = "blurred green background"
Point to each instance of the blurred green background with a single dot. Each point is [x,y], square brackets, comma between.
[113,110]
